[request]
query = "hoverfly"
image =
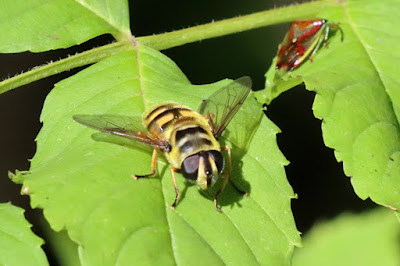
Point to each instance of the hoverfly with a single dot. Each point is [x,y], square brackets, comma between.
[302,41]
[187,138]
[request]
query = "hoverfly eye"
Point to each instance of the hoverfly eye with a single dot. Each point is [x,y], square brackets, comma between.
[218,159]
[190,167]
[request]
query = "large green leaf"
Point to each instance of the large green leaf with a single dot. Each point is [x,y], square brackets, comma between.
[18,245]
[41,25]
[358,95]
[370,238]
[85,186]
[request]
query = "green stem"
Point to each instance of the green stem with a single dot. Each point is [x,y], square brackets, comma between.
[233,25]
[173,39]
[85,58]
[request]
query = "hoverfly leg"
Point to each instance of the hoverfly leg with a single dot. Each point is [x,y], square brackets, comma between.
[153,166]
[216,205]
[210,118]
[244,193]
[173,170]
[228,149]
[226,174]
[341,33]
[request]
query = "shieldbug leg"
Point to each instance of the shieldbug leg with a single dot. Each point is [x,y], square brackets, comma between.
[322,41]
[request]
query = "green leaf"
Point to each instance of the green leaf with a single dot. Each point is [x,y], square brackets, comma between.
[358,96]
[370,238]
[18,245]
[85,186]
[41,25]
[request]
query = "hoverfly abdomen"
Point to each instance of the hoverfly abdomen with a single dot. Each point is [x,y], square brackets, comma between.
[190,132]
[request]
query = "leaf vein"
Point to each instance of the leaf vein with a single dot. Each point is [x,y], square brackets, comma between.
[98,14]
[140,78]
[201,236]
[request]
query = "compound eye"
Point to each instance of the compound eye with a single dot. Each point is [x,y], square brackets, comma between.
[218,159]
[190,167]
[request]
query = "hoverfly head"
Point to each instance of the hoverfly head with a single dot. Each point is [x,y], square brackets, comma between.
[203,167]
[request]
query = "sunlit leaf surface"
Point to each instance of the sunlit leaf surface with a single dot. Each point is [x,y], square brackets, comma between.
[41,25]
[85,186]
[18,245]
[368,239]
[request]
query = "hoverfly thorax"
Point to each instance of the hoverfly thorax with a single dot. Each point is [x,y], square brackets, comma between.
[203,167]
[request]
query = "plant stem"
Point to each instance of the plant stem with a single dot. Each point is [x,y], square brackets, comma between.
[173,39]
[233,25]
[82,59]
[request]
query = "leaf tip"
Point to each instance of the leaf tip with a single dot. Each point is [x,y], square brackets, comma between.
[18,177]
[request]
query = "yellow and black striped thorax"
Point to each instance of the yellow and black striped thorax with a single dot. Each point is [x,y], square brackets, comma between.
[186,131]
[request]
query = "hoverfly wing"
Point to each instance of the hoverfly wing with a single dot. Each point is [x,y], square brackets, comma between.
[223,104]
[123,126]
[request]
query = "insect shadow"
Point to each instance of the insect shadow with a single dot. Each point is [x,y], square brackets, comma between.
[240,134]
[228,197]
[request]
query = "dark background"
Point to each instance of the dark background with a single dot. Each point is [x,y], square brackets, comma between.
[323,189]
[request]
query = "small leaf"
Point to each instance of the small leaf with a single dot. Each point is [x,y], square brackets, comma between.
[41,25]
[85,186]
[370,238]
[358,99]
[18,245]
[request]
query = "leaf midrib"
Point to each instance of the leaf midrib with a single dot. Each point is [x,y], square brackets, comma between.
[99,15]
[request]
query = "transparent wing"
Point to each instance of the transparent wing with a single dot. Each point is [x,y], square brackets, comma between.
[223,104]
[123,126]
